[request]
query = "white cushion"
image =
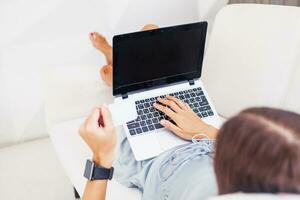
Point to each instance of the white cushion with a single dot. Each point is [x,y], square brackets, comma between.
[241,196]
[252,57]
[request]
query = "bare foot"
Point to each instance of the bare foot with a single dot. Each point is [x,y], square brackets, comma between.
[149,27]
[100,43]
[106,74]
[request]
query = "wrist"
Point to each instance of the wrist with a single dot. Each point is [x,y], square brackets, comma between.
[208,130]
[211,132]
[105,161]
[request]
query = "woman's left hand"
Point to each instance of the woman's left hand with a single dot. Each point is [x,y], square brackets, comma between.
[99,133]
[188,124]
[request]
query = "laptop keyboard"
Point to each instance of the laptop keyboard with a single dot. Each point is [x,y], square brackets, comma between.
[149,118]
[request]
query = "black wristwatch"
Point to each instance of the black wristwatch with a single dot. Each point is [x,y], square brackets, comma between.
[94,172]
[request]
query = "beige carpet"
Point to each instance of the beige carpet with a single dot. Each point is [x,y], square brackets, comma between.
[31,171]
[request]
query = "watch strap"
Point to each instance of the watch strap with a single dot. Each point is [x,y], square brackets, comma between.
[100,173]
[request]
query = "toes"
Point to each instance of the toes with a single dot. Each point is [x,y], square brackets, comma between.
[99,38]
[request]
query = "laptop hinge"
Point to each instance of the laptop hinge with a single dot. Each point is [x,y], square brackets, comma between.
[192,82]
[124,96]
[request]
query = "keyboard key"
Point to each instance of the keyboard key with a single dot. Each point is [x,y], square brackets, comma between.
[134,125]
[149,121]
[146,111]
[130,122]
[181,97]
[199,93]
[145,129]
[196,105]
[152,109]
[132,132]
[152,99]
[142,101]
[199,114]
[147,100]
[187,96]
[144,117]
[203,103]
[157,126]
[141,106]
[204,114]
[192,100]
[156,114]
[195,110]
[151,127]
[138,119]
[201,109]
[143,123]
[193,94]
[160,118]
[147,105]
[138,130]
[210,113]
[139,112]
[149,116]
[206,108]
[155,120]
[198,99]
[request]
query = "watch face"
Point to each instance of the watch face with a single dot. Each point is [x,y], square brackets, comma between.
[89,166]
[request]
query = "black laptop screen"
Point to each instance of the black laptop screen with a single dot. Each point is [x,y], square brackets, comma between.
[151,58]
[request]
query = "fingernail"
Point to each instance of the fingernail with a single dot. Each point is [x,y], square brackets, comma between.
[163,122]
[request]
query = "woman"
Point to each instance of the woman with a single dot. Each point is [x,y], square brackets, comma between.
[257,151]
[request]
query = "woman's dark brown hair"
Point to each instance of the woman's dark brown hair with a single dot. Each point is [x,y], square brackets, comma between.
[258,151]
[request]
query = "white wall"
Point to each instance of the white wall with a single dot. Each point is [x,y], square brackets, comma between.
[36,34]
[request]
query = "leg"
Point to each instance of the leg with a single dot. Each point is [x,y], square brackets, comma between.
[128,171]
[100,43]
[106,74]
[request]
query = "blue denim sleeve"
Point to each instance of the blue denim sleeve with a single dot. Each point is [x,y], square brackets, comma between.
[184,172]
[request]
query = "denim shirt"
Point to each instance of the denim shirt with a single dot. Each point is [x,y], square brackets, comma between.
[184,172]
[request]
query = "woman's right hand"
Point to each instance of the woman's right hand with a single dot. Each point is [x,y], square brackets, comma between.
[188,124]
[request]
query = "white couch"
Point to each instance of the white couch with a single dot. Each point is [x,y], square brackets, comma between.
[252,59]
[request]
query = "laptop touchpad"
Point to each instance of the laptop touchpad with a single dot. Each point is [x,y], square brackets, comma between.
[168,140]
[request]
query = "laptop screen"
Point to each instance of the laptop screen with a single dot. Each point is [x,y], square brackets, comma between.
[151,58]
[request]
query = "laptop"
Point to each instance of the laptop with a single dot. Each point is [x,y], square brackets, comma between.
[156,63]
